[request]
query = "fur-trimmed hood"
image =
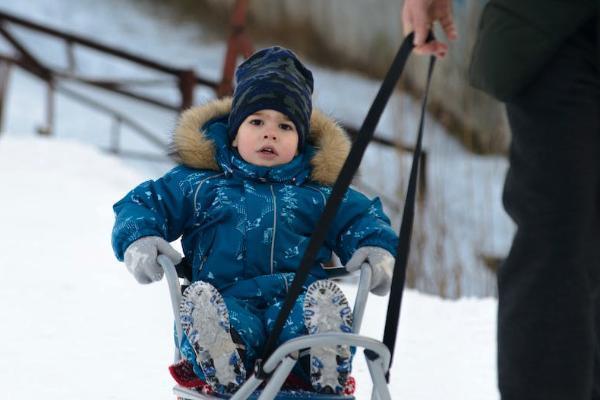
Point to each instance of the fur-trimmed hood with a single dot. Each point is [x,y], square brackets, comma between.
[193,148]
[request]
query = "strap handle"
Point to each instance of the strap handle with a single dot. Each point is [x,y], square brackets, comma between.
[339,189]
[405,235]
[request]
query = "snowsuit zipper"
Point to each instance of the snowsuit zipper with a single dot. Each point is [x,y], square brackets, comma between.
[274,228]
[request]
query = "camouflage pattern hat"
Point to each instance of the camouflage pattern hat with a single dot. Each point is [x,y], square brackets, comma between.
[273,78]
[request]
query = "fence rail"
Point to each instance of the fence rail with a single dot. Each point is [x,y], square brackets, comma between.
[185,80]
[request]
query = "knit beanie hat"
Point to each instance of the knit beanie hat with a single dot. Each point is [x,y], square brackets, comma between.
[273,78]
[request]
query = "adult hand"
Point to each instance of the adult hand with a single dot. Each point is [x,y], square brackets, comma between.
[140,258]
[382,265]
[420,15]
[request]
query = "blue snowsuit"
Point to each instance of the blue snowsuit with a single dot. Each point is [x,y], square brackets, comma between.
[246,227]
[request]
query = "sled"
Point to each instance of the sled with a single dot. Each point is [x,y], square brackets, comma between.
[269,377]
[279,365]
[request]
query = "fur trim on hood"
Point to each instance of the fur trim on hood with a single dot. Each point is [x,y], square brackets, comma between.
[193,149]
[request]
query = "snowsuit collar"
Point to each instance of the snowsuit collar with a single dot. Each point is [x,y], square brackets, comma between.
[200,141]
[229,160]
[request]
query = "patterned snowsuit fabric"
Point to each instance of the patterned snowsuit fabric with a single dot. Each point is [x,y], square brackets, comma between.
[246,227]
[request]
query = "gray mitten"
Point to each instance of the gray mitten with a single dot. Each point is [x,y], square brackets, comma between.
[140,258]
[382,264]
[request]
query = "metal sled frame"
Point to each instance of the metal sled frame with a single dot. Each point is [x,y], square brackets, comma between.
[280,363]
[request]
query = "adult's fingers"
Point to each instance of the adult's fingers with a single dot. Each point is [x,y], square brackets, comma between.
[406,22]
[447,23]
[416,17]
[439,49]
[421,22]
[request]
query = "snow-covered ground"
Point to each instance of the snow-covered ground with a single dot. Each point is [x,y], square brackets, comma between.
[77,325]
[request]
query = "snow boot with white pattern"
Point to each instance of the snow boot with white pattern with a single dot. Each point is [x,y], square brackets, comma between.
[205,321]
[326,309]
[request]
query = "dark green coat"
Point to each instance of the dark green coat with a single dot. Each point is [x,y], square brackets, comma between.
[517,37]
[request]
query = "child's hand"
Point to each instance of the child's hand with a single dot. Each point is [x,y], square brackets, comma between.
[140,258]
[382,264]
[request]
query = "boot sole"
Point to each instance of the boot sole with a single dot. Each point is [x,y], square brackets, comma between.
[326,309]
[205,321]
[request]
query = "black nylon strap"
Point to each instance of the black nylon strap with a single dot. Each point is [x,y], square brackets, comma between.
[399,277]
[339,189]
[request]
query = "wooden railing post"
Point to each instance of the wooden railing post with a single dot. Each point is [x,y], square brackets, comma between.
[115,135]
[187,83]
[4,77]
[48,127]
[71,63]
[238,43]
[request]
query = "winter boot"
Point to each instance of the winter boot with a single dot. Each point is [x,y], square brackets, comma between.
[326,309]
[205,321]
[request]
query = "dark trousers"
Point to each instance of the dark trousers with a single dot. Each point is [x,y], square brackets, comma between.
[549,302]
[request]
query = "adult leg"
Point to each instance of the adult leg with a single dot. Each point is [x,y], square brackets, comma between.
[596,384]
[546,310]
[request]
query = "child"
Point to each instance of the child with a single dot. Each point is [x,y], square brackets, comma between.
[255,174]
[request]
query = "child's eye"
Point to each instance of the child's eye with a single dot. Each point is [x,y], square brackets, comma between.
[286,127]
[255,121]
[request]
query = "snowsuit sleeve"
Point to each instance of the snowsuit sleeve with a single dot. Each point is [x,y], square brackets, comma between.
[154,208]
[360,222]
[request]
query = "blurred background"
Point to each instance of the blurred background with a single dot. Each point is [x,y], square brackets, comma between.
[116,75]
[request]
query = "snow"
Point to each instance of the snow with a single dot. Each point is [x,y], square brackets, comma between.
[76,323]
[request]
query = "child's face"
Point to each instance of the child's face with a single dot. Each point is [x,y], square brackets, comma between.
[267,138]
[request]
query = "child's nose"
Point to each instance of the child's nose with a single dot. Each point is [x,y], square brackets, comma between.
[270,135]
